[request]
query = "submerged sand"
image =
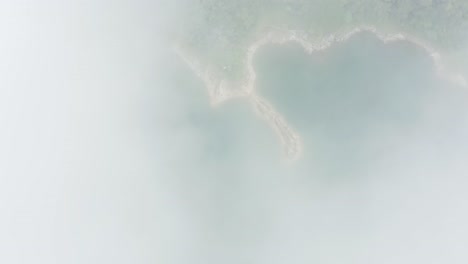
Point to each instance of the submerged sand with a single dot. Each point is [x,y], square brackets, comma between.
[219,90]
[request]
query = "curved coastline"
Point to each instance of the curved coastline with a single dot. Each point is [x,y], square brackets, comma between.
[219,90]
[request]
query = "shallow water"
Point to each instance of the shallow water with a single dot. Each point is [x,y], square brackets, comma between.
[348,101]
[381,176]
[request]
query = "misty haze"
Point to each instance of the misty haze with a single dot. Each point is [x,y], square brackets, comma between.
[216,131]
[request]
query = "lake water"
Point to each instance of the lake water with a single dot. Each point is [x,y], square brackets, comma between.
[382,171]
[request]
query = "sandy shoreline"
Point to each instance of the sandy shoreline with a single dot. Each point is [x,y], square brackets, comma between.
[219,90]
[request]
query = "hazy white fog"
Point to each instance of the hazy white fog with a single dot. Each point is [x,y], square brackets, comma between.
[111,153]
[76,182]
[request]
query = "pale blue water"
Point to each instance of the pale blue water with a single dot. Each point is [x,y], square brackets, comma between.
[347,100]
[384,148]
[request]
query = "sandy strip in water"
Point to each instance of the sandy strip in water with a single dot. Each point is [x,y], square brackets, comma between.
[219,90]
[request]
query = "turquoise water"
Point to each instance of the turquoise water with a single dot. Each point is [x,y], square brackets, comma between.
[384,151]
[348,101]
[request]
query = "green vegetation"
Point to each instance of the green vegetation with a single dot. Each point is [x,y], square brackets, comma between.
[221,30]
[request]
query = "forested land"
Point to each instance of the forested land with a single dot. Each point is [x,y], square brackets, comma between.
[221,30]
